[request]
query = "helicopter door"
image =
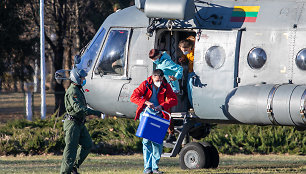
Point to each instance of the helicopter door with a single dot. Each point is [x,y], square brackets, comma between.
[215,64]
[110,70]
[139,68]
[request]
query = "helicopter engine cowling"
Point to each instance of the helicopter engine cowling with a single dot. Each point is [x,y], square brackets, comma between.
[267,104]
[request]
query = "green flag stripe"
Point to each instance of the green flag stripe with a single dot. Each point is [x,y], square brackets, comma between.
[244,14]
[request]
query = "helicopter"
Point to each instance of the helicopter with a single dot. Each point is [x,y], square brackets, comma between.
[249,61]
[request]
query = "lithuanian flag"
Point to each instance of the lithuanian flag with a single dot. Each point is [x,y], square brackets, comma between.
[245,13]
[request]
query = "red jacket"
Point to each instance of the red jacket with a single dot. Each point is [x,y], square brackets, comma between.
[166,97]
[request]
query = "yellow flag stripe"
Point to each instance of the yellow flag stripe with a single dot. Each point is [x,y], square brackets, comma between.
[247,8]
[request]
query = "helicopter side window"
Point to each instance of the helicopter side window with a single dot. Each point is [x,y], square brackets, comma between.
[91,52]
[112,60]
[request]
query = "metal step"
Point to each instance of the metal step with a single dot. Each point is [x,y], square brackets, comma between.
[166,155]
[183,134]
[169,145]
[178,114]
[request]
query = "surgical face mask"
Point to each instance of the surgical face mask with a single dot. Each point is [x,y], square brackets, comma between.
[158,83]
[84,82]
[186,52]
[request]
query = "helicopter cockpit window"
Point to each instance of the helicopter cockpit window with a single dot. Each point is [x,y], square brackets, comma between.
[112,60]
[91,52]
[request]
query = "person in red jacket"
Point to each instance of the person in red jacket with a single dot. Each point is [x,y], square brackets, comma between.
[156,94]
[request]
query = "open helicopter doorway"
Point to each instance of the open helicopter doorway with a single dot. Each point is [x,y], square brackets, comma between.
[168,41]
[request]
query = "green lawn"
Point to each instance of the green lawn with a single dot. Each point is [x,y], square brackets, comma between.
[134,164]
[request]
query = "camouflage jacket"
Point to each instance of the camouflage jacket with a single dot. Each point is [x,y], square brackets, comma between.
[75,103]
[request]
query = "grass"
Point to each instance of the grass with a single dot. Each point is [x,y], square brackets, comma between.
[134,164]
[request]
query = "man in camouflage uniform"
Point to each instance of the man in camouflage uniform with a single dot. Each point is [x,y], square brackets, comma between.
[77,139]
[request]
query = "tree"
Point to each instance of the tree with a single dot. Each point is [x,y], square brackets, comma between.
[69,26]
[72,23]
[15,49]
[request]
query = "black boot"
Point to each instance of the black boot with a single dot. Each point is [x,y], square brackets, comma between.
[75,170]
[170,138]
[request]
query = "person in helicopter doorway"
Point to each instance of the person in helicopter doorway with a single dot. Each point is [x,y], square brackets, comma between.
[187,48]
[77,139]
[173,72]
[155,94]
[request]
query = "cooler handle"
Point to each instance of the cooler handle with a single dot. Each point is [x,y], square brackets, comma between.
[162,111]
[167,113]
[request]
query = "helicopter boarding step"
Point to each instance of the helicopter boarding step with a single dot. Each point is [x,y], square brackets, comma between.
[182,130]
[177,129]
[177,115]
[166,155]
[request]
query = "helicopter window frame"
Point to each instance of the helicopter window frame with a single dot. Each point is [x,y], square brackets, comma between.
[125,55]
[100,35]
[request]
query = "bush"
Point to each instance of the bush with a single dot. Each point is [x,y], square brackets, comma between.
[37,137]
[114,136]
[110,136]
[249,139]
[117,136]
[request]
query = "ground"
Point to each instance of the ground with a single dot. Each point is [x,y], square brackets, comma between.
[132,164]
[12,106]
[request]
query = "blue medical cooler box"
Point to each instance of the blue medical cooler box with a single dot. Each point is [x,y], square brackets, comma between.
[152,127]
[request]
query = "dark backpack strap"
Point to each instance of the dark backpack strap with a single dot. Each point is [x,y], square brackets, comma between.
[147,86]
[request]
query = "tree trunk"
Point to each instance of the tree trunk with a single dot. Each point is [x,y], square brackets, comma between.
[59,90]
[59,98]
[52,81]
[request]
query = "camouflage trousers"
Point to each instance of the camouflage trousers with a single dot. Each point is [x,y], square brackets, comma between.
[78,145]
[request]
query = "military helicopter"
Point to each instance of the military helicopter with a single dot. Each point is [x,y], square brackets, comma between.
[250,62]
